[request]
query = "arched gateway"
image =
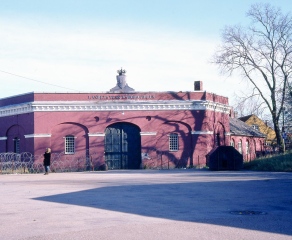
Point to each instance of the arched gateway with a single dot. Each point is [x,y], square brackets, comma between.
[123,146]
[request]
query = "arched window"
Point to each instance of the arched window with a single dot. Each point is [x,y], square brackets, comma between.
[240,146]
[69,144]
[232,143]
[218,139]
[16,145]
[247,150]
[173,142]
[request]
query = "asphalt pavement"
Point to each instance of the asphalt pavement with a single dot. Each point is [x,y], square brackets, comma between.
[147,204]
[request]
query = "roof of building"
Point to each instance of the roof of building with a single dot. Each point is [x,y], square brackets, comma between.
[245,118]
[265,130]
[238,127]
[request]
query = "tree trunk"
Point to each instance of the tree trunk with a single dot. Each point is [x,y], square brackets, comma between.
[280,142]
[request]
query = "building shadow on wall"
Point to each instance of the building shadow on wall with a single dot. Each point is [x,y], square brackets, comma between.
[218,203]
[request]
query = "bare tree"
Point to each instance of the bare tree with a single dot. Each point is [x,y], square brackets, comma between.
[262,53]
[249,104]
[287,114]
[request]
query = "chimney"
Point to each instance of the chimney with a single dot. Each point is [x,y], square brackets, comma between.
[232,113]
[198,86]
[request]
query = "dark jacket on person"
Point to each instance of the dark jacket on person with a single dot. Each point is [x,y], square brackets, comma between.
[47,159]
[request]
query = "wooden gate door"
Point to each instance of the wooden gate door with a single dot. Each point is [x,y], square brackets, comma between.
[123,146]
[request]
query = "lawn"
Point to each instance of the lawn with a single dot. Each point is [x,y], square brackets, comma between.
[279,163]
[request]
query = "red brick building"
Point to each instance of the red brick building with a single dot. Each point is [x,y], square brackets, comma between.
[123,128]
[246,140]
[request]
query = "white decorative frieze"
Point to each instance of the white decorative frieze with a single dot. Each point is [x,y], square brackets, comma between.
[58,106]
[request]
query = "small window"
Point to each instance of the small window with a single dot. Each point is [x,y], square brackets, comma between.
[232,143]
[16,145]
[69,144]
[255,127]
[173,142]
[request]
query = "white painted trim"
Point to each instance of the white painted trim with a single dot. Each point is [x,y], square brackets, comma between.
[202,132]
[96,134]
[37,135]
[148,133]
[102,106]
[3,138]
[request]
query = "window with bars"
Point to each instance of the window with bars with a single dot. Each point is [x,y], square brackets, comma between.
[69,144]
[16,145]
[173,142]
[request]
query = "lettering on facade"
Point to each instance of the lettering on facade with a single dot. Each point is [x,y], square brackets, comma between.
[121,97]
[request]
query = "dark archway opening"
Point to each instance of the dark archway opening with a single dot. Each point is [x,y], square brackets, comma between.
[123,146]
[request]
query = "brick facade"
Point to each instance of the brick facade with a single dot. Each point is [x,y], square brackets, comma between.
[199,121]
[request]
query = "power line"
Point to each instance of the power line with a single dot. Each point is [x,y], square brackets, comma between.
[38,81]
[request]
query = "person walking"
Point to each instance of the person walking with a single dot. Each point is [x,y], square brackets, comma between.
[47,160]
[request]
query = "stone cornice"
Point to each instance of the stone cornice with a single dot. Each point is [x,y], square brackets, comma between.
[87,106]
